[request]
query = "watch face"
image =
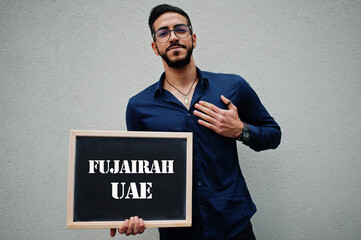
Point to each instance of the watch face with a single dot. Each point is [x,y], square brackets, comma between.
[246,136]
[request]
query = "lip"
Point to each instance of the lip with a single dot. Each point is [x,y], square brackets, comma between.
[175,47]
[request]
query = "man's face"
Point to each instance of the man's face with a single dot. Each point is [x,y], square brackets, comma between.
[176,52]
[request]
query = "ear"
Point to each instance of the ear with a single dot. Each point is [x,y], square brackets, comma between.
[194,38]
[155,49]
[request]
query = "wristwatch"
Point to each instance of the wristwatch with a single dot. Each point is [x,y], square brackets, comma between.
[245,134]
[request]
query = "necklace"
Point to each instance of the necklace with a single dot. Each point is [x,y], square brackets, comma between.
[185,95]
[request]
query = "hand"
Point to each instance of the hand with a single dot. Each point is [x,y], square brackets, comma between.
[223,122]
[134,225]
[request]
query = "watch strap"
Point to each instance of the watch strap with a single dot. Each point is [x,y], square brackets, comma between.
[245,134]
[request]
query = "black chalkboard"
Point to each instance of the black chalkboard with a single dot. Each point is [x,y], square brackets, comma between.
[116,175]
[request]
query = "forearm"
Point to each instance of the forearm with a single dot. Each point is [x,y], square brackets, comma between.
[264,137]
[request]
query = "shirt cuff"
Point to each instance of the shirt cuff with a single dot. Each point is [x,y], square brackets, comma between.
[254,136]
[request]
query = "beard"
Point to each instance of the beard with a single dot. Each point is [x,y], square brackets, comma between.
[180,62]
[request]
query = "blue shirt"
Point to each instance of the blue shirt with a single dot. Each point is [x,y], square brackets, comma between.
[222,205]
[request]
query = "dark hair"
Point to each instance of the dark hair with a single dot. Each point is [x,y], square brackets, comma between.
[164,8]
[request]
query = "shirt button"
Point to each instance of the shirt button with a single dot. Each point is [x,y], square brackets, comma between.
[199,184]
[189,114]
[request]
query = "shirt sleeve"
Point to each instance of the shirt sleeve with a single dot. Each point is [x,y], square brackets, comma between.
[265,133]
[132,118]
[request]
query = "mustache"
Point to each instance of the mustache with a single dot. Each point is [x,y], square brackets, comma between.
[175,45]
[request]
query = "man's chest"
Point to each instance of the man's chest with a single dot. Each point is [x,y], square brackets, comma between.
[171,117]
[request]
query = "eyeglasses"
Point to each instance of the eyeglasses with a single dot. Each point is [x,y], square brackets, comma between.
[163,35]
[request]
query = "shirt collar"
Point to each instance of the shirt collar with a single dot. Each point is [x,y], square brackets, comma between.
[202,80]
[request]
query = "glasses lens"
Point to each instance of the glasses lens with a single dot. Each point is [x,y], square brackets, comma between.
[182,31]
[162,35]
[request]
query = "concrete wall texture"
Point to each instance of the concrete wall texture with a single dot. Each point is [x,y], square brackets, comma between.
[74,64]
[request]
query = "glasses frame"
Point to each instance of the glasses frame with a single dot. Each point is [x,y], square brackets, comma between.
[173,30]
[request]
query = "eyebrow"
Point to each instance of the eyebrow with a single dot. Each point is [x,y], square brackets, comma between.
[180,24]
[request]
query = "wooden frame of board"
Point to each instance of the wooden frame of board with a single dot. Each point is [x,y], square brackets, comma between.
[77,135]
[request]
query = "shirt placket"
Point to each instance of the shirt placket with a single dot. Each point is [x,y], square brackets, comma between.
[200,186]
[198,178]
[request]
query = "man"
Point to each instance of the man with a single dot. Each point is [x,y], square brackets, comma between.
[219,109]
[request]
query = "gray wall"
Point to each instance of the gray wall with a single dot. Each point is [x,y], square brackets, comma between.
[74,64]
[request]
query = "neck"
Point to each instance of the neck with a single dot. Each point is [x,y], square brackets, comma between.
[181,76]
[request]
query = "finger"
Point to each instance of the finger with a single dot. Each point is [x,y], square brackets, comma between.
[136,225]
[225,100]
[124,227]
[141,226]
[210,106]
[207,125]
[204,116]
[206,110]
[131,226]
[113,231]
[228,102]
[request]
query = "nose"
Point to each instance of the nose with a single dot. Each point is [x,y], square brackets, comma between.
[173,36]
